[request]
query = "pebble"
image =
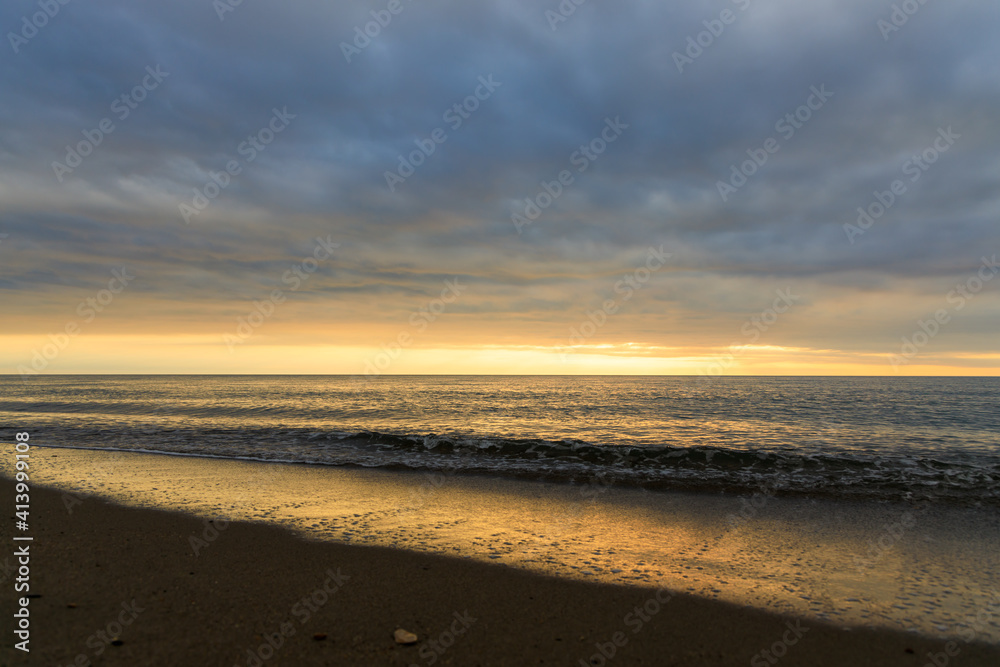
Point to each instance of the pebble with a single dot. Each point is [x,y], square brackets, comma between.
[404,637]
[319,636]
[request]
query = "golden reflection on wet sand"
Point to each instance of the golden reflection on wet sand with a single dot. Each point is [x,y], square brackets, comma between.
[884,564]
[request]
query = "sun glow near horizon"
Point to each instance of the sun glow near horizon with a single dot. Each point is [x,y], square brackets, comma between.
[201,354]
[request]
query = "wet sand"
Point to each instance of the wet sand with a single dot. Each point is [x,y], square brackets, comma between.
[106,572]
[912,567]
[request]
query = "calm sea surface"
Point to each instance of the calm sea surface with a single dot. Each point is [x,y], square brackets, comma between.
[885,438]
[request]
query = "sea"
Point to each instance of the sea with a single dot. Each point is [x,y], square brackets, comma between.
[862,438]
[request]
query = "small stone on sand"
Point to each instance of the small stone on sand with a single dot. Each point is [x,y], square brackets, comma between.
[404,637]
[319,636]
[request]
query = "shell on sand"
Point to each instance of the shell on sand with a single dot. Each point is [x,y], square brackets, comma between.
[404,637]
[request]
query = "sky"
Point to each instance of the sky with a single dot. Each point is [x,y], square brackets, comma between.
[768,187]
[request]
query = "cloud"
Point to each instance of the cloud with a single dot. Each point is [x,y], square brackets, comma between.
[657,184]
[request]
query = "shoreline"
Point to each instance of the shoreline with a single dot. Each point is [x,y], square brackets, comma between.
[515,475]
[135,569]
[914,568]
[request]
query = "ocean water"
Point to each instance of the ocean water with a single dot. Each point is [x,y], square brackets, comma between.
[900,439]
